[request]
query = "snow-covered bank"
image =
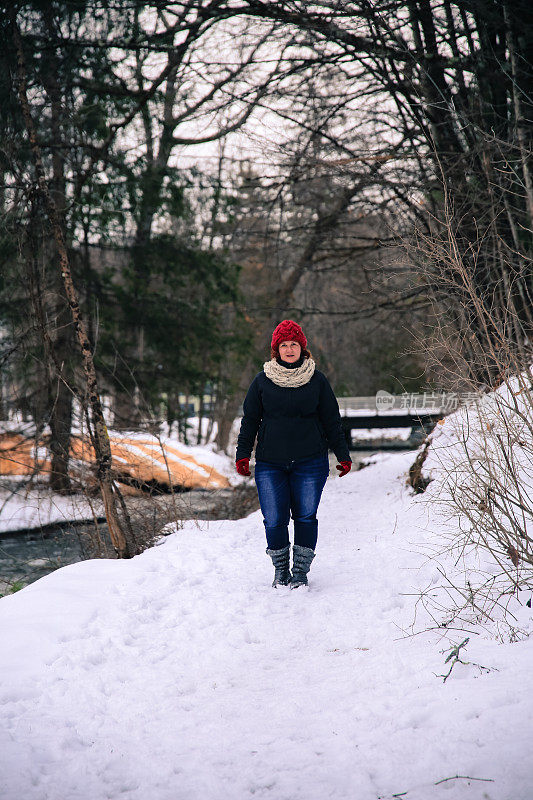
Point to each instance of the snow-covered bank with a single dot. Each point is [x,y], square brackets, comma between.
[481,460]
[38,508]
[183,675]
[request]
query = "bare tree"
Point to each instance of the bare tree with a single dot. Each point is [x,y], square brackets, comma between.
[452,82]
[122,539]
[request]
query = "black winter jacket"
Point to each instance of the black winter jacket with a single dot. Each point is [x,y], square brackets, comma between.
[291,423]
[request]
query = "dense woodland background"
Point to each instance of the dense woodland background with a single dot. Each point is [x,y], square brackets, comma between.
[214,167]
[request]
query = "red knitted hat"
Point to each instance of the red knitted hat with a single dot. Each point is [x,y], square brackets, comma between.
[288,331]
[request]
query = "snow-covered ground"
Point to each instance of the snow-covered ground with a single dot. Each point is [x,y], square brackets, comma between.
[22,508]
[182,675]
[363,434]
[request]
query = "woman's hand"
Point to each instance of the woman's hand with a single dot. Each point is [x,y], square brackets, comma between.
[243,466]
[344,467]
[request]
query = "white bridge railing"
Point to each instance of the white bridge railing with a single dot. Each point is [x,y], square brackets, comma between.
[383,403]
[406,403]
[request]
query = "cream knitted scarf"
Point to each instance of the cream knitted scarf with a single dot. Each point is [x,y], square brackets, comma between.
[284,376]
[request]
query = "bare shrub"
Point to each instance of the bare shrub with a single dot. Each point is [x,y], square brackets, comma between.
[482,454]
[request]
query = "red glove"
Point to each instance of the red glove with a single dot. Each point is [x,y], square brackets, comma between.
[344,467]
[243,466]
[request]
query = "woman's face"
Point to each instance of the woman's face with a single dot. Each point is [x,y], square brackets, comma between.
[289,351]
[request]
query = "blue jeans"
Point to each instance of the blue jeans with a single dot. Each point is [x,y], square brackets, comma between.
[295,488]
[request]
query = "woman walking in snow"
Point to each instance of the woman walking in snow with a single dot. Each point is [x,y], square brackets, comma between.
[291,408]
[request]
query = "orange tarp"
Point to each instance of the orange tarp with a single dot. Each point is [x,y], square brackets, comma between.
[17,456]
[141,458]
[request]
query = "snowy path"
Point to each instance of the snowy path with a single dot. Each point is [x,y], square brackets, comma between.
[182,675]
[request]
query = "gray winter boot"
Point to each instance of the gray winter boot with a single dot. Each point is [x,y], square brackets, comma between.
[301,563]
[281,561]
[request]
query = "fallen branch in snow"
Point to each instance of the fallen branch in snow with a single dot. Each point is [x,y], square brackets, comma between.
[397,795]
[453,656]
[464,778]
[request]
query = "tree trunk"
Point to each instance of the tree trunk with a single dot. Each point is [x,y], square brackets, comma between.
[60,429]
[61,392]
[53,406]
[60,399]
[201,408]
[228,405]
[523,126]
[100,437]
[225,417]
